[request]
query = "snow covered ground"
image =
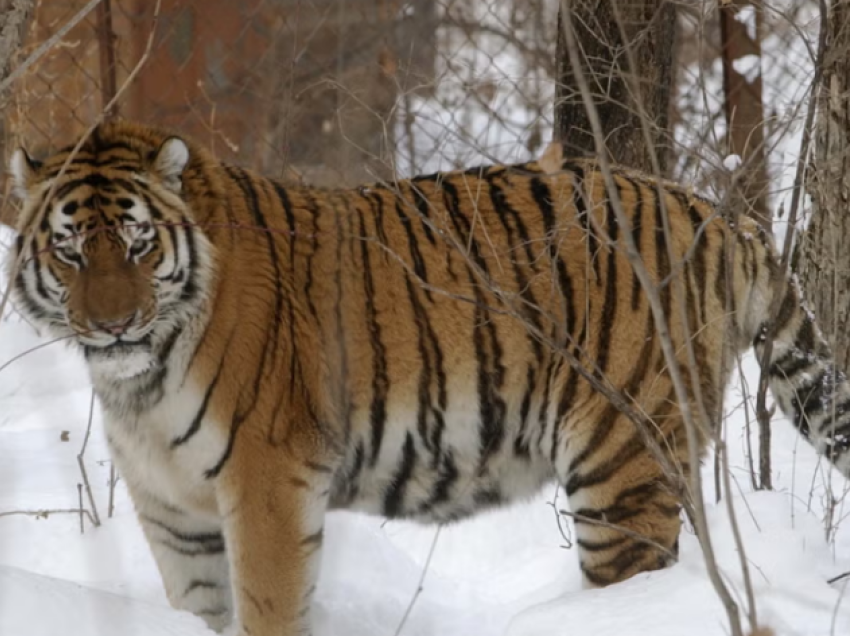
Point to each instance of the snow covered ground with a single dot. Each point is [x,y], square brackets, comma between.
[506,572]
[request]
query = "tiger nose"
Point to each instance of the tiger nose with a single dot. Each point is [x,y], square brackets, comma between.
[113,327]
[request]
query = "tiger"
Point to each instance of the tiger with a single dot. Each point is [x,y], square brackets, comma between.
[422,348]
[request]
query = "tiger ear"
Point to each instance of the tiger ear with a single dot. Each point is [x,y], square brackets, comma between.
[169,161]
[24,170]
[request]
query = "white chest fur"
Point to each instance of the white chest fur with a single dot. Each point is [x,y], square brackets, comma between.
[144,450]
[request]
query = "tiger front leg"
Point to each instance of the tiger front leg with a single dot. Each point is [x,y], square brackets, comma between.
[273,502]
[191,557]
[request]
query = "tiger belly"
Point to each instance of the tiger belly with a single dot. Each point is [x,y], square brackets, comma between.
[412,476]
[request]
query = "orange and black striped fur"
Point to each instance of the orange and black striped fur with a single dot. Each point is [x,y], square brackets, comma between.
[264,353]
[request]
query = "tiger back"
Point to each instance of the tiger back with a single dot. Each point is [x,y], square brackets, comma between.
[423,349]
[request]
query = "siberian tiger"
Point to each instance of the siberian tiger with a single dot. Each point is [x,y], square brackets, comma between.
[264,353]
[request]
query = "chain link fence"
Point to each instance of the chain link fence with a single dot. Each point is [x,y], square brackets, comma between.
[329,91]
[336,92]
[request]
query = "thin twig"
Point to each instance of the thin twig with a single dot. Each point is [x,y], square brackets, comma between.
[562,529]
[113,479]
[80,498]
[82,464]
[840,598]
[637,536]
[45,513]
[34,348]
[840,577]
[421,584]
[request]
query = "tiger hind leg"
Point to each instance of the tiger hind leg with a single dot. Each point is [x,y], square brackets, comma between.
[626,514]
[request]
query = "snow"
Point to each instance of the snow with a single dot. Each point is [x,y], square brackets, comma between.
[503,573]
[746,15]
[748,66]
[732,162]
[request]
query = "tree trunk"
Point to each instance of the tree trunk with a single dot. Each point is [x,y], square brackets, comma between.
[822,256]
[649,27]
[742,92]
[14,20]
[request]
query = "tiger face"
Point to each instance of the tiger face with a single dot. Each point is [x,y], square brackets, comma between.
[107,266]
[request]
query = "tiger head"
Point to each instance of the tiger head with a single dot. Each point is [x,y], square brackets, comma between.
[105,253]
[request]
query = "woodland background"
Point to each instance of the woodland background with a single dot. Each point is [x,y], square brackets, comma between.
[746,101]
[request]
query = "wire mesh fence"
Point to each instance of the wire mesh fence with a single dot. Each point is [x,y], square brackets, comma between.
[336,92]
[331,91]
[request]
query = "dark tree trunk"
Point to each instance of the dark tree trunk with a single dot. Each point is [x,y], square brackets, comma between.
[649,27]
[823,260]
[742,88]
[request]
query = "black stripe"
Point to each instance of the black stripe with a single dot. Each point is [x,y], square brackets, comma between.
[423,206]
[530,309]
[628,504]
[603,428]
[198,584]
[394,497]
[213,472]
[491,407]
[699,255]
[342,390]
[431,358]
[200,550]
[599,546]
[185,537]
[314,540]
[543,197]
[199,416]
[790,364]
[314,246]
[94,179]
[380,377]
[415,254]
[40,288]
[661,255]
[376,203]
[352,487]
[190,288]
[552,369]
[568,394]
[580,201]
[464,229]
[448,475]
[244,181]
[294,357]
[609,307]
[521,446]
